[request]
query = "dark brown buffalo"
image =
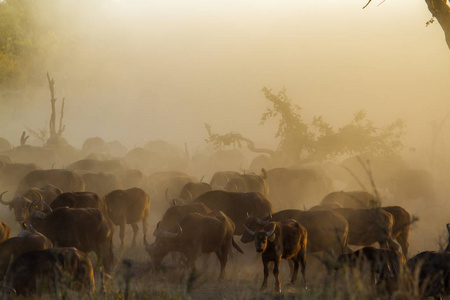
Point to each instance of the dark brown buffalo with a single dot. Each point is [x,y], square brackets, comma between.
[221,178]
[21,203]
[368,226]
[175,214]
[248,183]
[354,199]
[128,207]
[86,229]
[237,206]
[196,234]
[66,180]
[276,240]
[402,224]
[327,230]
[5,232]
[385,262]
[192,190]
[432,270]
[78,200]
[101,183]
[26,241]
[41,271]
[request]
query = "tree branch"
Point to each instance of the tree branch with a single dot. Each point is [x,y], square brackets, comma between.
[51,86]
[441,11]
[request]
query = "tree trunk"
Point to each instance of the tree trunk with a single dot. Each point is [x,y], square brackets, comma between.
[441,11]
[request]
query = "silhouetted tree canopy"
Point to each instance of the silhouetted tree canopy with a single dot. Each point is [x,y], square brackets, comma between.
[317,141]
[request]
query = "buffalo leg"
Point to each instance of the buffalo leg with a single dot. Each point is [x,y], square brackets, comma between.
[276,274]
[266,274]
[302,259]
[122,235]
[222,255]
[294,271]
[402,239]
[145,225]
[135,233]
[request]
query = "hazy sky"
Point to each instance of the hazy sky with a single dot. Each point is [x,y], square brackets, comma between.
[142,70]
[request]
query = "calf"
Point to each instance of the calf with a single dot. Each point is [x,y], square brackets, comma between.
[277,240]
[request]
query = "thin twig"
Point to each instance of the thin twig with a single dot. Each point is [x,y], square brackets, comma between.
[367,4]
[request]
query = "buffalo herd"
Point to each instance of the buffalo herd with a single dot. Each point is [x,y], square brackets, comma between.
[66,213]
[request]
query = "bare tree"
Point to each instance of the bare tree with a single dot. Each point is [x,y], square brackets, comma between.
[52,124]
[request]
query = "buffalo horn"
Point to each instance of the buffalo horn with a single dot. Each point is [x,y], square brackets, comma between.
[270,232]
[32,229]
[47,208]
[190,195]
[5,202]
[170,234]
[264,221]
[252,233]
[35,203]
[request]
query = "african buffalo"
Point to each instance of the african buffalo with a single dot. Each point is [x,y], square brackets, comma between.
[174,214]
[432,270]
[237,206]
[385,262]
[368,226]
[86,229]
[93,165]
[79,200]
[128,207]
[26,241]
[66,180]
[21,203]
[101,183]
[41,271]
[354,199]
[402,224]
[327,230]
[244,183]
[192,190]
[196,234]
[221,178]
[276,240]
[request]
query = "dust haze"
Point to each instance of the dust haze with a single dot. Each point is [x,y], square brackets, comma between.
[136,71]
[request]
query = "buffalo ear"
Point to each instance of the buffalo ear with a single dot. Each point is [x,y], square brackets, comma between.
[272,237]
[448,228]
